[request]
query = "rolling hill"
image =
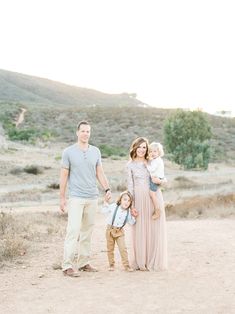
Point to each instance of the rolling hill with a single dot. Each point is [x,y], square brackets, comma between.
[16,87]
[53,110]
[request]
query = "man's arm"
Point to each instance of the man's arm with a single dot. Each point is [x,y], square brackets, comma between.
[64,173]
[103,181]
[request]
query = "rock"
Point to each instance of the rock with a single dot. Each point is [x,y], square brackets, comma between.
[56,266]
[41,275]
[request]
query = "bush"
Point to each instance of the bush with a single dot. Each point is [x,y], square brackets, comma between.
[33,169]
[21,135]
[186,137]
[107,151]
[54,186]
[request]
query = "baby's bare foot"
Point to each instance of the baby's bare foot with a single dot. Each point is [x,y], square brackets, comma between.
[156,214]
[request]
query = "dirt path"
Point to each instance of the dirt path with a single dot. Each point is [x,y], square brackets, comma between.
[20,119]
[200,279]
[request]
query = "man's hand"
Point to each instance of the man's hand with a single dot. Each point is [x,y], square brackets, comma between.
[108,196]
[62,204]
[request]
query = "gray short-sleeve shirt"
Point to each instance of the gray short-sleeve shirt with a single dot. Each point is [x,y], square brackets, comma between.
[82,170]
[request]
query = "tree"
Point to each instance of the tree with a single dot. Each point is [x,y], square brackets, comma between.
[186,137]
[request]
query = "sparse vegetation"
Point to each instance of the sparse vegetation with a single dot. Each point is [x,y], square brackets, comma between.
[12,244]
[114,129]
[17,232]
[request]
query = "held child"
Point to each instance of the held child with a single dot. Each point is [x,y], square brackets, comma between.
[119,215]
[155,167]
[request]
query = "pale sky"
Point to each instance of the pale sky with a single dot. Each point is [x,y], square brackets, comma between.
[172,53]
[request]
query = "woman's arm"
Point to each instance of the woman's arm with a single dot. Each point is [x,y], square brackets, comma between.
[130,181]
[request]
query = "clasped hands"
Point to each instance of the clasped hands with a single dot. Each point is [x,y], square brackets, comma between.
[134,212]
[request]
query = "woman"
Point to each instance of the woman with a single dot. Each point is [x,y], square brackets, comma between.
[149,236]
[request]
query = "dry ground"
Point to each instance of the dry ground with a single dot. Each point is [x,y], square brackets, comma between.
[201,275]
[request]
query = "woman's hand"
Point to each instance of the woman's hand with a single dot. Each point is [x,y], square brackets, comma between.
[134,212]
[156,180]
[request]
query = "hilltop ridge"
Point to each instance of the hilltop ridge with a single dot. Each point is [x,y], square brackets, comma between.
[18,87]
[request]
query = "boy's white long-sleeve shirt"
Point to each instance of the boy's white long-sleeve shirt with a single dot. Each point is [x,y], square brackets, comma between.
[120,216]
[156,167]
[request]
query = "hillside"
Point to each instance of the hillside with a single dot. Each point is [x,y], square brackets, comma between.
[16,87]
[52,111]
[113,129]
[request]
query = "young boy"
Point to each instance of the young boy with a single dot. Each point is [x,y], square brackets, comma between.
[155,167]
[119,215]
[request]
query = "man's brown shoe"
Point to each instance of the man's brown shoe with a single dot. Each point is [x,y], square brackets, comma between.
[88,268]
[71,273]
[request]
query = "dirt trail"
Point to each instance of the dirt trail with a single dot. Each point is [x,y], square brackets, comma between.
[20,119]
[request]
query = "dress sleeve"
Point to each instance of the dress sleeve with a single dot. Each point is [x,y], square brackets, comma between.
[130,181]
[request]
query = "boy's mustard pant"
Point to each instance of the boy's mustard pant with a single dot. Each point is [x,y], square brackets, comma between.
[114,234]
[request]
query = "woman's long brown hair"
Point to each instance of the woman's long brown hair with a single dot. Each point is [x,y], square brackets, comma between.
[135,144]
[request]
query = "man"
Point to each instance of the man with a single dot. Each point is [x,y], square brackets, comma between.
[81,165]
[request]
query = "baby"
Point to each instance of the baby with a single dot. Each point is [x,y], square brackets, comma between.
[155,167]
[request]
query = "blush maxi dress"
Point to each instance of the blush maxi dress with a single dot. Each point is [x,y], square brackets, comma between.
[149,237]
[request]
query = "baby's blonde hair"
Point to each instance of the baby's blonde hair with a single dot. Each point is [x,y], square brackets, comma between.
[159,147]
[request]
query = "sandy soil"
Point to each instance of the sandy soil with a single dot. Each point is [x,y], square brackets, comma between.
[200,279]
[201,275]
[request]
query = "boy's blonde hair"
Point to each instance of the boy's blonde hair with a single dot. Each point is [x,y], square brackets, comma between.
[122,194]
[159,147]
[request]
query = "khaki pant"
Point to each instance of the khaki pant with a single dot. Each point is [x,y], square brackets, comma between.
[81,219]
[113,235]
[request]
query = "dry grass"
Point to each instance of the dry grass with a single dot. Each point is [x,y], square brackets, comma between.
[202,206]
[22,195]
[21,232]
[12,237]
[183,182]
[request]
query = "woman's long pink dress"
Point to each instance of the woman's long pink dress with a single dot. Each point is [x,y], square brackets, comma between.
[149,249]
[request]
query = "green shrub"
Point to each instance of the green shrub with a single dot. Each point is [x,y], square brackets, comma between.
[21,135]
[33,169]
[186,137]
[108,151]
[54,186]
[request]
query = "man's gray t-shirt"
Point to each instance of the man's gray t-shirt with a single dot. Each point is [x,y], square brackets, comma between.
[82,170]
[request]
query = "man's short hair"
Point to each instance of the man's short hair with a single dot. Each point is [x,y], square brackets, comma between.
[82,123]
